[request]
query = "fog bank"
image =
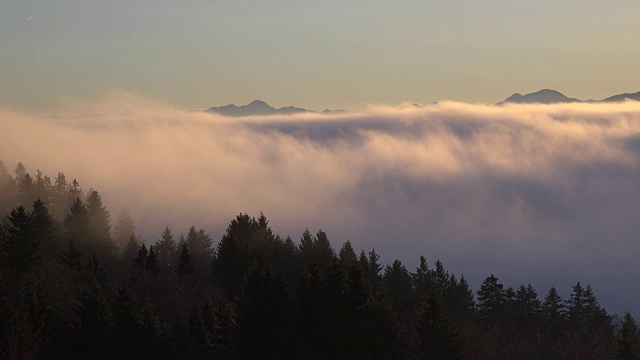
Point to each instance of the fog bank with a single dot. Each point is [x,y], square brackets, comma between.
[547,194]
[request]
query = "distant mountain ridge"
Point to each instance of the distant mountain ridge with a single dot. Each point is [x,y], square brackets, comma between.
[548,96]
[261,108]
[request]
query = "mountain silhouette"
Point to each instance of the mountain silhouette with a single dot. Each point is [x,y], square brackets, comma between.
[548,96]
[255,108]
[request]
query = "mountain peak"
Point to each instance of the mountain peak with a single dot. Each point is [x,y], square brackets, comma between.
[548,96]
[544,96]
[255,108]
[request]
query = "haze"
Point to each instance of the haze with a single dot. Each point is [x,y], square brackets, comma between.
[546,194]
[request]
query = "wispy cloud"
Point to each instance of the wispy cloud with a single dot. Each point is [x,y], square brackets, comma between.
[542,193]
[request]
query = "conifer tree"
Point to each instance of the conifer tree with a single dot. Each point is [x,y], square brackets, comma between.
[199,244]
[99,219]
[185,265]
[7,189]
[20,244]
[628,340]
[422,280]
[438,337]
[93,330]
[141,259]
[45,231]
[491,300]
[151,264]
[130,252]
[323,251]
[77,228]
[553,309]
[265,316]
[347,256]
[399,288]
[166,250]
[123,229]
[71,257]
[306,248]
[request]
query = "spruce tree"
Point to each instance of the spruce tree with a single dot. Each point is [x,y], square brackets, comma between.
[628,340]
[166,250]
[99,219]
[439,339]
[398,286]
[491,300]
[123,229]
[77,228]
[45,231]
[347,256]
[71,257]
[185,265]
[19,242]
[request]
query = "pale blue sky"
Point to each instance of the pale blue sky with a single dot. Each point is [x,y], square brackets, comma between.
[330,54]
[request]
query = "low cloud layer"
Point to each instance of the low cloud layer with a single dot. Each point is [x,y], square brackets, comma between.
[547,194]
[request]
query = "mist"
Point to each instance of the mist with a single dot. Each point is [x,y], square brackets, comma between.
[546,194]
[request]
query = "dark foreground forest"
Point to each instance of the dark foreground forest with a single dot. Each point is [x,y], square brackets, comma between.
[74,287]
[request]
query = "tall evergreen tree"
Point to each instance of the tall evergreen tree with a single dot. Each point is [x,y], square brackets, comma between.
[166,250]
[397,281]
[439,339]
[628,339]
[347,256]
[185,265]
[45,233]
[553,309]
[130,251]
[99,219]
[19,242]
[7,189]
[77,228]
[491,300]
[123,229]
[422,280]
[199,244]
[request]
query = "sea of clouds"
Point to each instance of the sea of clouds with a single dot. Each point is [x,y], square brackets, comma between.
[546,194]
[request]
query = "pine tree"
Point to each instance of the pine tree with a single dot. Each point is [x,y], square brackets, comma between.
[306,248]
[19,242]
[422,280]
[438,337]
[45,231]
[553,309]
[7,189]
[151,264]
[199,245]
[130,252]
[347,256]
[93,331]
[323,251]
[460,301]
[141,259]
[165,250]
[77,228]
[491,300]
[99,219]
[185,265]
[71,257]
[399,288]
[628,340]
[265,316]
[123,229]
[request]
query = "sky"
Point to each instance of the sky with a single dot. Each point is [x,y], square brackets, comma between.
[195,54]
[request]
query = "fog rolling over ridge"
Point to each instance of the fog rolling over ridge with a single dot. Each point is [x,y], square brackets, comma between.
[547,194]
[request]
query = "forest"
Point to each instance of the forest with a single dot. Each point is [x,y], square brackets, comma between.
[76,283]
